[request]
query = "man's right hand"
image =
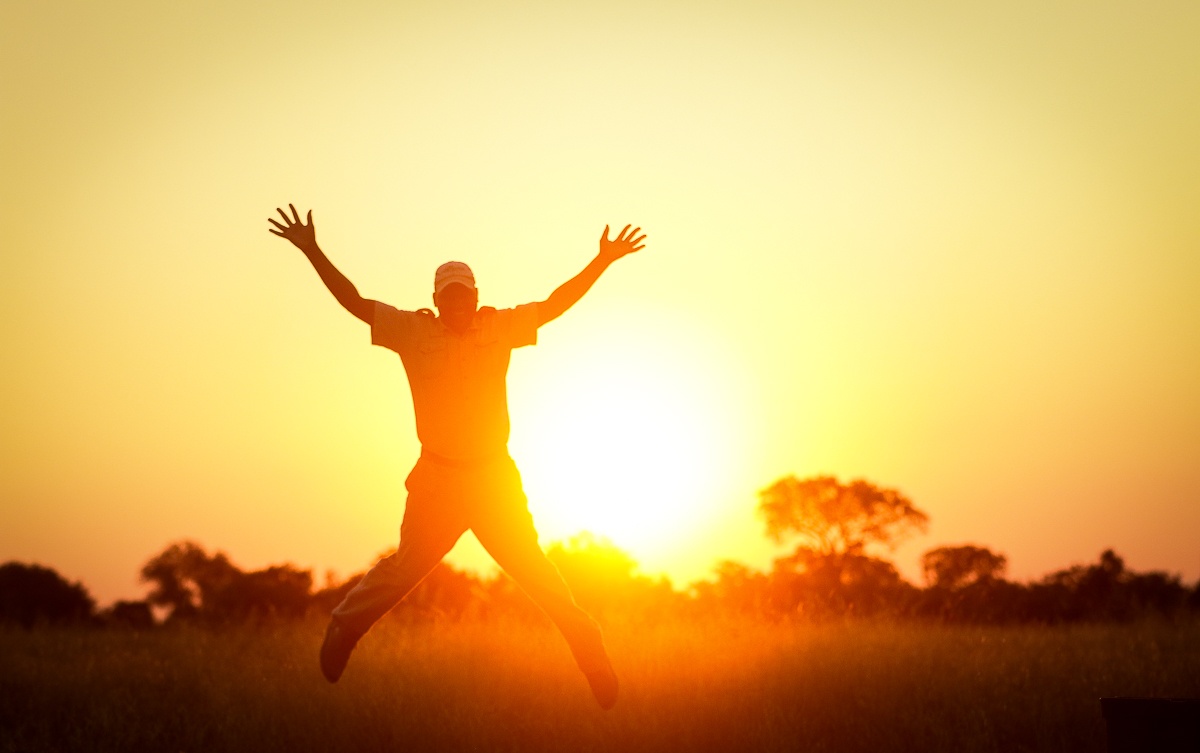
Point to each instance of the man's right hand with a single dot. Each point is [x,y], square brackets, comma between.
[304,237]
[625,244]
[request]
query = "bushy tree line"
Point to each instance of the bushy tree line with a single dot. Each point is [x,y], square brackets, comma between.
[856,585]
[836,570]
[191,584]
[32,594]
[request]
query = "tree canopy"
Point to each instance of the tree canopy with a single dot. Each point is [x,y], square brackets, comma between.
[832,518]
[962,565]
[31,594]
[193,583]
[832,573]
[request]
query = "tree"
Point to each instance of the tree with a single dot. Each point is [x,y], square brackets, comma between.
[30,594]
[597,571]
[1086,592]
[135,615]
[604,578]
[736,589]
[953,567]
[966,584]
[1157,591]
[832,518]
[195,584]
[277,591]
[186,579]
[1107,590]
[834,524]
[844,583]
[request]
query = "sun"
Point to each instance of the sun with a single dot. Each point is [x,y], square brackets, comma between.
[630,443]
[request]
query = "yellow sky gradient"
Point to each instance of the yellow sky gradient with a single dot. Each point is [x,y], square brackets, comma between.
[954,249]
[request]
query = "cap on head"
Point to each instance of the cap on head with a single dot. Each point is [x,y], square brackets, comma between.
[452,272]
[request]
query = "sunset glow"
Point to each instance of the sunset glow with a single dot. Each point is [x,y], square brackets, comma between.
[952,250]
[636,450]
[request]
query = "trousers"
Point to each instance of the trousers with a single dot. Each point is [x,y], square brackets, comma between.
[488,499]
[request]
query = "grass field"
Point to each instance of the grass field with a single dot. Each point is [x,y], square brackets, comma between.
[734,685]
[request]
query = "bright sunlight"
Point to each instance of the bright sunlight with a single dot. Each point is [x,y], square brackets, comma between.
[631,441]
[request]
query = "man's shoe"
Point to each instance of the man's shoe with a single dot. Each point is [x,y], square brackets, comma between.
[603,681]
[335,651]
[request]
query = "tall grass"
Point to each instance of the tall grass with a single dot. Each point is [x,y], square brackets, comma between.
[710,685]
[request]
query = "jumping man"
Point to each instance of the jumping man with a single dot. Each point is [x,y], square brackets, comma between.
[456,362]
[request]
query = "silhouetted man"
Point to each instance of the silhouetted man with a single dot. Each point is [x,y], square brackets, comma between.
[464,479]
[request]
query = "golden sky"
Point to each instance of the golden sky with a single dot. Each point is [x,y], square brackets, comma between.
[952,247]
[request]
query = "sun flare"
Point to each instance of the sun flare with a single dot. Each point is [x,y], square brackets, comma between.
[634,451]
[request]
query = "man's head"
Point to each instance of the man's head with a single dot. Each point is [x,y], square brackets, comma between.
[455,295]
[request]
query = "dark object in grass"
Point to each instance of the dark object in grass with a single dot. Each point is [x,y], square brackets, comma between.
[1152,725]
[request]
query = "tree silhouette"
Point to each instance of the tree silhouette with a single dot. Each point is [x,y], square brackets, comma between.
[134,615]
[832,518]
[834,524]
[276,591]
[966,584]
[845,583]
[1157,591]
[186,579]
[954,567]
[30,594]
[736,589]
[194,584]
[603,578]
[1106,590]
[597,571]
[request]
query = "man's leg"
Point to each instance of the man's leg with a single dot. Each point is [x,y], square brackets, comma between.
[429,531]
[505,529]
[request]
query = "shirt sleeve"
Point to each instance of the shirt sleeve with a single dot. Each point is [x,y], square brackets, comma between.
[523,325]
[392,328]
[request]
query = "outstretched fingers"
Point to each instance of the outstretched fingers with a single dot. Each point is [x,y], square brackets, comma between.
[632,238]
[627,241]
[280,230]
[291,227]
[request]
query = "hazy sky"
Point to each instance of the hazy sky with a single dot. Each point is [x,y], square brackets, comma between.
[953,248]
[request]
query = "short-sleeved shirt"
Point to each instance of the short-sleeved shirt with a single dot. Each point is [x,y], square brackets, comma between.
[458,381]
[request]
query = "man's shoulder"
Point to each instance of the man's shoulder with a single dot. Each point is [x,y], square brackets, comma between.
[391,312]
[394,328]
[489,315]
[517,325]
[492,311]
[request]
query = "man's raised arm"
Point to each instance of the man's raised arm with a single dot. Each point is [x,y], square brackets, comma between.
[304,237]
[573,289]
